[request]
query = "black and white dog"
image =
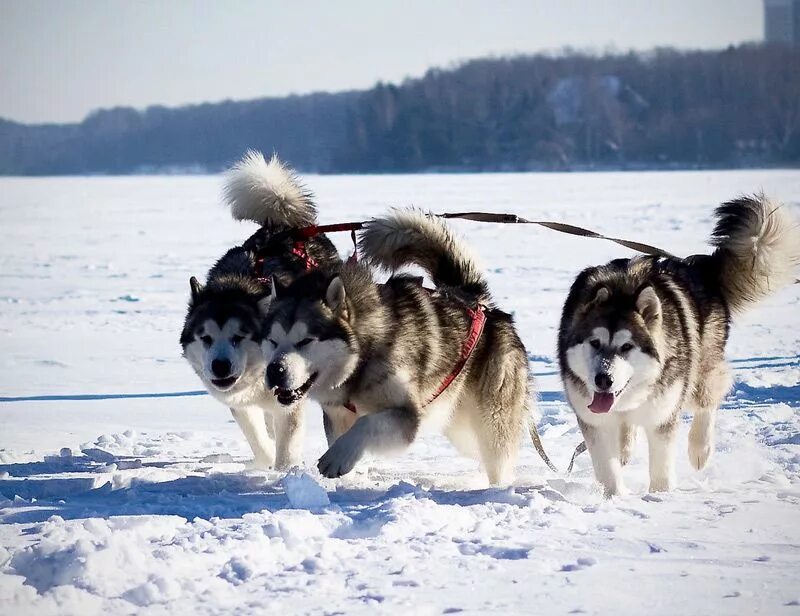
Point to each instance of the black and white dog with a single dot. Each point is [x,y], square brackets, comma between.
[642,338]
[385,360]
[221,333]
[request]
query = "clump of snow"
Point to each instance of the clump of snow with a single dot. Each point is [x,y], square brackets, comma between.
[303,492]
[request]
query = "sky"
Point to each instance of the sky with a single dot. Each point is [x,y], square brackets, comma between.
[61,59]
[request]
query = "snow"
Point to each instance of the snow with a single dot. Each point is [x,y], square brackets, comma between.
[117,499]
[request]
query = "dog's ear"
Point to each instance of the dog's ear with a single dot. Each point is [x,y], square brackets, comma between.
[649,306]
[335,295]
[195,286]
[601,296]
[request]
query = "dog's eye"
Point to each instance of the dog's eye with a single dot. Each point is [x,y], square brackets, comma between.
[235,340]
[272,342]
[595,343]
[626,347]
[206,340]
[304,342]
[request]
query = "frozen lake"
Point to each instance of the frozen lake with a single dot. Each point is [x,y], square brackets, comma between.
[93,285]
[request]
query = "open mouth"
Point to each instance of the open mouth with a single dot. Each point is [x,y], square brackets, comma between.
[288,397]
[603,401]
[224,383]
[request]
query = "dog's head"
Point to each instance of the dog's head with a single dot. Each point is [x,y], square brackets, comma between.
[221,334]
[613,347]
[307,342]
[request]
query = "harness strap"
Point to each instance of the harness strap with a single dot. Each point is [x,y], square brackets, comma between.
[477,323]
[302,235]
[306,233]
[299,250]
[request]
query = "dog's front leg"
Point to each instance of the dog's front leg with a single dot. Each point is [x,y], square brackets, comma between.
[252,422]
[337,420]
[382,432]
[289,431]
[603,443]
[661,444]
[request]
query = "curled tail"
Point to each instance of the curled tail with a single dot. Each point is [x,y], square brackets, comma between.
[411,237]
[758,248]
[269,193]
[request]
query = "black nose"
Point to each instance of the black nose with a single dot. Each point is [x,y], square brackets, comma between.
[276,374]
[221,368]
[603,381]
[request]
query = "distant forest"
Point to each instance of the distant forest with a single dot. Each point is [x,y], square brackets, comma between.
[737,107]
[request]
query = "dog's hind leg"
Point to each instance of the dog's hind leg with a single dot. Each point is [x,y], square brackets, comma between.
[252,421]
[289,429]
[714,384]
[499,419]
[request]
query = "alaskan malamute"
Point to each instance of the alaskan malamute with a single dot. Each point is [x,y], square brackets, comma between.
[641,338]
[384,359]
[221,333]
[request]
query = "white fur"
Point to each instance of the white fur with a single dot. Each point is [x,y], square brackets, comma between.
[386,241]
[258,429]
[268,192]
[329,359]
[633,373]
[762,256]
[262,420]
[605,448]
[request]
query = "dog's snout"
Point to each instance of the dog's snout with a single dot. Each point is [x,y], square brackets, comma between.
[276,374]
[603,381]
[221,368]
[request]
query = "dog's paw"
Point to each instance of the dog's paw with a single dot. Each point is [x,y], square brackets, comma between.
[260,464]
[699,454]
[339,459]
[661,484]
[611,491]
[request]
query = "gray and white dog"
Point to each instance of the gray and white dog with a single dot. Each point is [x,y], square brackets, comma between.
[221,334]
[375,356]
[642,338]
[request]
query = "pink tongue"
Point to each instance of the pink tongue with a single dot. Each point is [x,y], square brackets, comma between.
[602,402]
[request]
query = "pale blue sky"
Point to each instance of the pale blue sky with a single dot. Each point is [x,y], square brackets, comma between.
[60,59]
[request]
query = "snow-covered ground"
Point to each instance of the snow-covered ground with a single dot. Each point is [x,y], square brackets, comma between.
[123,505]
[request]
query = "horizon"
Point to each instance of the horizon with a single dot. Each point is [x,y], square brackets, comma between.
[455,65]
[117,54]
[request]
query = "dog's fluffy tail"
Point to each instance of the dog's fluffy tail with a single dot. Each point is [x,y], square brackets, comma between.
[268,192]
[758,246]
[411,237]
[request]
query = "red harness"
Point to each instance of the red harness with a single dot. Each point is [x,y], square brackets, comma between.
[302,235]
[478,321]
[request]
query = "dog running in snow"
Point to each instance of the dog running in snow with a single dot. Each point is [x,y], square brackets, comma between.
[376,356]
[642,338]
[221,332]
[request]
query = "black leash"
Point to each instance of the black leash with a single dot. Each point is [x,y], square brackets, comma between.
[505,219]
[513,219]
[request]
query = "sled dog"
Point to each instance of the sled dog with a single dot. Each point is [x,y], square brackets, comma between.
[221,333]
[642,338]
[384,360]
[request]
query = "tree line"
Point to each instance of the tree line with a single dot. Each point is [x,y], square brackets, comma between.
[736,107]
